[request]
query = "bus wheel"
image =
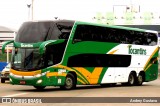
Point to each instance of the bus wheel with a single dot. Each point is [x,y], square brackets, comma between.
[139,80]
[39,87]
[70,82]
[131,79]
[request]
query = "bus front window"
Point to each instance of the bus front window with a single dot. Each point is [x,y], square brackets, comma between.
[27,59]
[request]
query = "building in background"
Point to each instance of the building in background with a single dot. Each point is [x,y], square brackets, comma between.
[6,34]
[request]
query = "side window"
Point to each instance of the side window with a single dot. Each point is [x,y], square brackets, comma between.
[59,31]
[152,39]
[114,35]
[94,33]
[138,38]
[99,60]
[54,53]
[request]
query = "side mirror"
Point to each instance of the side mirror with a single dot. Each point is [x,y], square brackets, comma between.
[5,44]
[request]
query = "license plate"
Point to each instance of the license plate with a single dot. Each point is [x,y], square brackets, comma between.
[23,82]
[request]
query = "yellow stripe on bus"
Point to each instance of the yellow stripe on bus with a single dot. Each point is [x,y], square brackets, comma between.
[151,64]
[25,73]
[80,81]
[112,52]
[70,69]
[87,76]
[63,67]
[55,74]
[63,74]
[150,57]
[91,77]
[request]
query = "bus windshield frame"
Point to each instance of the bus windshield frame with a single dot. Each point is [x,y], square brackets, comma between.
[27,59]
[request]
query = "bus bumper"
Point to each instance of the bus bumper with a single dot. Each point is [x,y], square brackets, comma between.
[37,81]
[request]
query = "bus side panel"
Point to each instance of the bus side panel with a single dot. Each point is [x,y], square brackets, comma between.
[151,69]
[151,73]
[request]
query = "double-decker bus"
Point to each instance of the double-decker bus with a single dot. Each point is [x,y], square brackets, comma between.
[67,53]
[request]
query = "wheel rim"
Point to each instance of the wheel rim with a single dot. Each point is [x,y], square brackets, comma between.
[140,79]
[69,83]
[131,79]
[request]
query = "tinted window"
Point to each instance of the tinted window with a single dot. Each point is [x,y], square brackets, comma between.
[31,32]
[99,60]
[54,53]
[60,30]
[106,34]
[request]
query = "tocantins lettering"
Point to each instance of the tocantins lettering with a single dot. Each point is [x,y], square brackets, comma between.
[140,51]
[26,45]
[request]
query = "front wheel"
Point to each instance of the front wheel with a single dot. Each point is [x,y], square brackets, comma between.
[70,82]
[39,87]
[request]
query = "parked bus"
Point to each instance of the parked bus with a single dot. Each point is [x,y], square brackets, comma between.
[68,53]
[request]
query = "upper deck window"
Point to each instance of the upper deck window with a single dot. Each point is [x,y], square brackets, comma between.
[31,32]
[115,35]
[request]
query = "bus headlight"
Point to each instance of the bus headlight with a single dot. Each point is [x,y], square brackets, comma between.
[38,75]
[39,81]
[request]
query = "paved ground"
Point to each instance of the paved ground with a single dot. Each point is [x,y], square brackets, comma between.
[149,89]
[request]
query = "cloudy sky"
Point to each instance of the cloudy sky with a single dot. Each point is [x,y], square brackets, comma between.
[14,12]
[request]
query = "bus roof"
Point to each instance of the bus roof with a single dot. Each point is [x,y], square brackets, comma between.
[141,28]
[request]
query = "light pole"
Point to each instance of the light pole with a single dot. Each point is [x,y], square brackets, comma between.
[30,8]
[28,5]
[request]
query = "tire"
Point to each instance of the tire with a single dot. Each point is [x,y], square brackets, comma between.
[70,82]
[131,79]
[2,80]
[39,87]
[140,80]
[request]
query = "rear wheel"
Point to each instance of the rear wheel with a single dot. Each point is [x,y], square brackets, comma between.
[2,80]
[39,87]
[140,79]
[70,82]
[131,79]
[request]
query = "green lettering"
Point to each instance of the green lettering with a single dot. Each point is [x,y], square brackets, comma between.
[137,51]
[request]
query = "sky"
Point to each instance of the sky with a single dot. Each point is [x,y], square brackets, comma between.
[15,12]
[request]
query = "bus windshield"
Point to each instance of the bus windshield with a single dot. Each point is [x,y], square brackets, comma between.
[27,59]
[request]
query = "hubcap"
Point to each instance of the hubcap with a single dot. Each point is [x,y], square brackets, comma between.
[68,82]
[140,79]
[131,80]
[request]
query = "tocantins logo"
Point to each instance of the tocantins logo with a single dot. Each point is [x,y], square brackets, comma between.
[140,51]
[26,45]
